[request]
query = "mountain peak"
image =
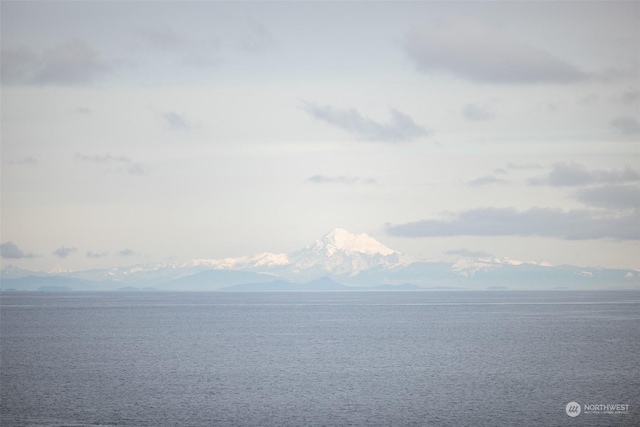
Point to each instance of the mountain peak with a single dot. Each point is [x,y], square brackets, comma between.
[341,240]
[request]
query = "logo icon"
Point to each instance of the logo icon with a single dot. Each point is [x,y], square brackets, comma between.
[573,409]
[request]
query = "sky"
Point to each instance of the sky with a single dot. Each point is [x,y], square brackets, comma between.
[141,132]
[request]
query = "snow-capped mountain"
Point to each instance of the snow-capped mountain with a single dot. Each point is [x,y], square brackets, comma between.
[349,259]
[342,253]
[340,240]
[336,253]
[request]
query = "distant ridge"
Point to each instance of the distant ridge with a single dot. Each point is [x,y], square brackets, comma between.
[214,279]
[321,284]
[339,260]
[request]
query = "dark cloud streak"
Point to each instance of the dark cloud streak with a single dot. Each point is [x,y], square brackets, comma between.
[487,180]
[23,161]
[543,222]
[176,121]
[629,97]
[74,62]
[573,174]
[163,38]
[18,65]
[119,164]
[256,38]
[63,252]
[96,255]
[83,110]
[470,50]
[10,250]
[620,197]
[477,113]
[400,128]
[625,125]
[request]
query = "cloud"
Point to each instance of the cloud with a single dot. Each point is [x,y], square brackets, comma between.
[186,52]
[163,38]
[487,180]
[135,169]
[83,110]
[612,74]
[468,49]
[526,166]
[10,250]
[589,99]
[544,222]
[18,64]
[400,128]
[63,252]
[466,253]
[323,179]
[198,59]
[629,97]
[477,113]
[125,252]
[573,174]
[176,122]
[256,38]
[102,158]
[611,197]
[118,164]
[74,62]
[23,161]
[625,125]
[514,166]
[96,255]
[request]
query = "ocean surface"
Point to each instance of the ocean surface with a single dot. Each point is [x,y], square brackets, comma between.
[318,358]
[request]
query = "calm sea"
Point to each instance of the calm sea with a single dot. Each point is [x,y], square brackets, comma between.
[318,359]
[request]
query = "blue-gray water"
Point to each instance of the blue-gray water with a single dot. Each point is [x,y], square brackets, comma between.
[332,359]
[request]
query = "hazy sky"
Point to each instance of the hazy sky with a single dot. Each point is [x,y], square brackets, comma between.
[163,131]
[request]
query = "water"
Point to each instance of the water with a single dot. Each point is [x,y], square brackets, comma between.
[307,359]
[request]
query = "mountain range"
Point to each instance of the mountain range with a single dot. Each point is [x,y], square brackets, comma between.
[338,261]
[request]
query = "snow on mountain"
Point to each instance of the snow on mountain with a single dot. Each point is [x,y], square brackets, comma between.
[351,259]
[257,263]
[338,252]
[342,253]
[263,260]
[470,267]
[340,240]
